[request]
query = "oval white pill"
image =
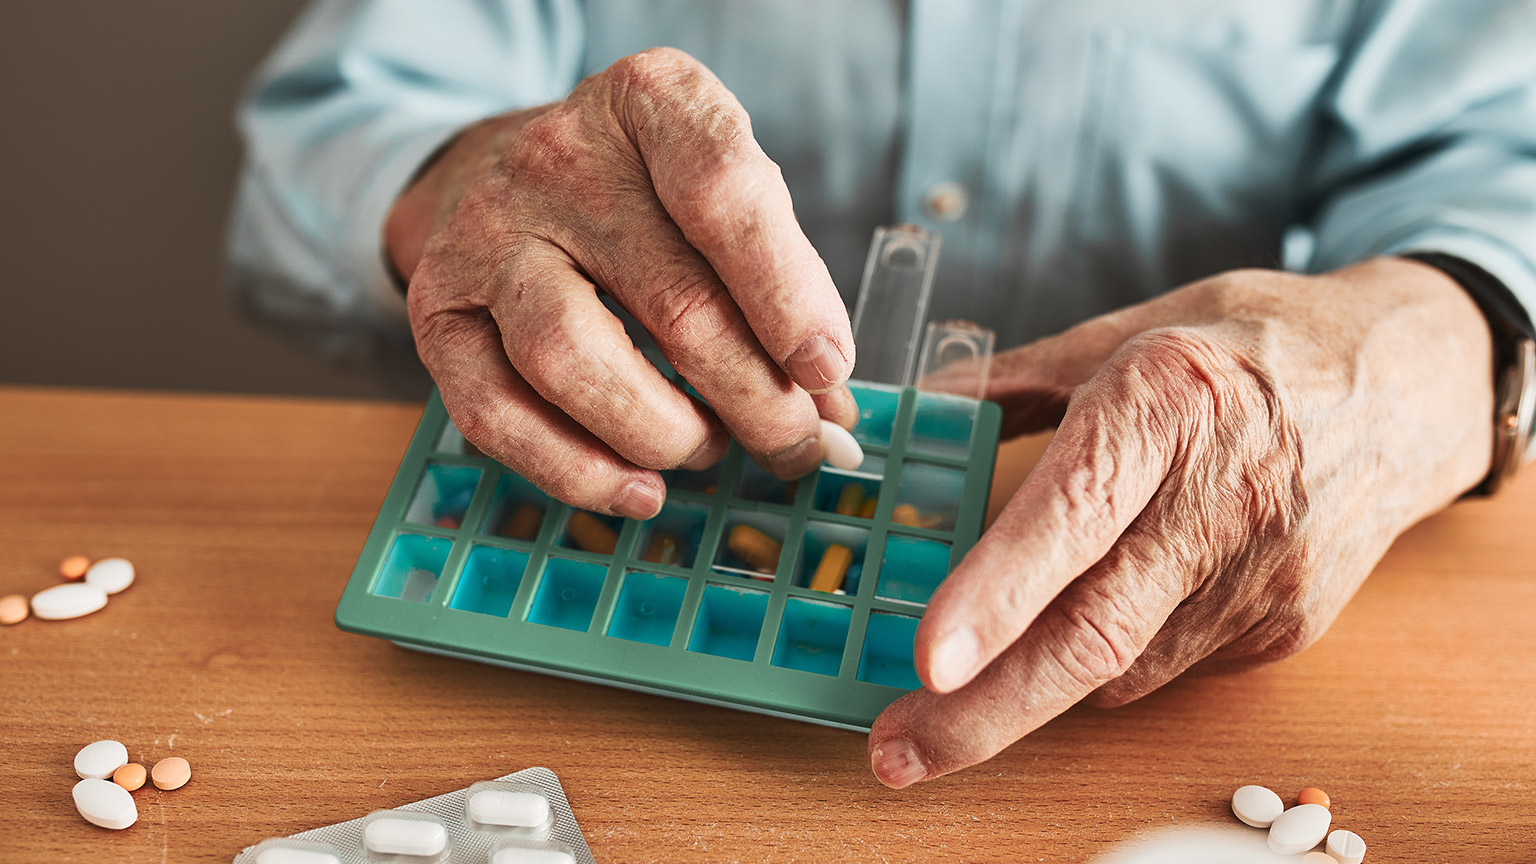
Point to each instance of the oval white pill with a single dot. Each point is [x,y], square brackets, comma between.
[280,855]
[839,447]
[70,600]
[105,803]
[513,809]
[1299,828]
[110,574]
[405,837]
[1256,806]
[1346,846]
[98,761]
[531,856]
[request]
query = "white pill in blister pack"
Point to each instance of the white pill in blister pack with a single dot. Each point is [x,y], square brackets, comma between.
[1346,846]
[70,600]
[1299,829]
[1256,806]
[97,760]
[508,808]
[519,855]
[290,855]
[401,834]
[105,803]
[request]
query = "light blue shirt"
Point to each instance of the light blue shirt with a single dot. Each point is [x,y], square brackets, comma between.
[1076,156]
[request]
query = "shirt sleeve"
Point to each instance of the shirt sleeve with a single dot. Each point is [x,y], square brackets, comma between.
[1429,139]
[340,116]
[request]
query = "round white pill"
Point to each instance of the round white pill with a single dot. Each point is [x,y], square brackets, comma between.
[1346,846]
[839,447]
[97,761]
[285,855]
[512,809]
[1256,806]
[70,600]
[531,856]
[110,574]
[1299,829]
[392,836]
[105,803]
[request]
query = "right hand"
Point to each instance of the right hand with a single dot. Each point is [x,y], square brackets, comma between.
[645,184]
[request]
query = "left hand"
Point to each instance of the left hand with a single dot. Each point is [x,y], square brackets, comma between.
[1232,460]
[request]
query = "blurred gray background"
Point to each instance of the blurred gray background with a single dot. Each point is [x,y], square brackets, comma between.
[119,162]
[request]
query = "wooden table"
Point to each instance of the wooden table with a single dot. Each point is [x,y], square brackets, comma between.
[245,515]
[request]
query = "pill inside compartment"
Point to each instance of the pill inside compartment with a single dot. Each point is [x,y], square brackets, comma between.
[509,808]
[591,532]
[912,568]
[525,852]
[812,636]
[850,493]
[752,544]
[943,425]
[517,509]
[412,567]
[673,537]
[928,496]
[886,656]
[829,552]
[729,622]
[489,581]
[406,836]
[648,607]
[288,850]
[567,593]
[443,495]
[877,413]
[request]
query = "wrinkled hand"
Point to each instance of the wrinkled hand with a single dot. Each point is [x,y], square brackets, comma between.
[1232,460]
[646,184]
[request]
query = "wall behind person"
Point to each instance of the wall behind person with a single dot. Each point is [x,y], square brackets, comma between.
[116,176]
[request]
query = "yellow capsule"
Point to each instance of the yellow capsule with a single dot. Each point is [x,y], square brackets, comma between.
[591,534]
[832,569]
[662,550]
[760,551]
[906,514]
[868,510]
[851,500]
[523,524]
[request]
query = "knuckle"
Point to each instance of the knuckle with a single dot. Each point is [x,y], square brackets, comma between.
[687,312]
[1093,646]
[548,145]
[648,71]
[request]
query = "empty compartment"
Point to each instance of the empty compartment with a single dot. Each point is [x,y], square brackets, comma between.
[489,581]
[942,425]
[851,493]
[517,509]
[672,538]
[647,608]
[567,593]
[752,544]
[812,636]
[912,568]
[877,413]
[928,496]
[412,567]
[758,484]
[828,553]
[591,532]
[887,654]
[443,495]
[729,622]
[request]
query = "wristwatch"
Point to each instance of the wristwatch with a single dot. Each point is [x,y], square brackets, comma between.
[1514,364]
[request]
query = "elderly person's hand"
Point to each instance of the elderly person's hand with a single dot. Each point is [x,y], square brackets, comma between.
[647,185]
[1231,461]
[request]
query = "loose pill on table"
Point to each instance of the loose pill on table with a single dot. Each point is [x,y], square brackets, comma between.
[523,524]
[97,760]
[172,772]
[832,568]
[1346,846]
[110,574]
[906,514]
[517,855]
[839,447]
[13,609]
[73,568]
[70,600]
[130,776]
[1318,858]
[851,500]
[508,808]
[760,551]
[1312,795]
[591,534]
[104,803]
[868,510]
[281,855]
[1299,828]
[398,836]
[1256,806]
[662,550]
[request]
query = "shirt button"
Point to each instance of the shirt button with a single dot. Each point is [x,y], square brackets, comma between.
[946,202]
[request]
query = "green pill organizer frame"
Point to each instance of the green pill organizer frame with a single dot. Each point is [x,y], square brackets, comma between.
[704,628]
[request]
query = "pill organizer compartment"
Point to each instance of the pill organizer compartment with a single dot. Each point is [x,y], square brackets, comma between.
[812,636]
[887,654]
[567,593]
[567,538]
[648,607]
[934,490]
[412,568]
[832,485]
[819,537]
[878,407]
[705,482]
[444,495]
[489,581]
[942,425]
[758,484]
[729,622]
[681,521]
[912,568]
[506,515]
[728,561]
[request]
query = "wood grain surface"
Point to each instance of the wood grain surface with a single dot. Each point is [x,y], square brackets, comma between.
[245,515]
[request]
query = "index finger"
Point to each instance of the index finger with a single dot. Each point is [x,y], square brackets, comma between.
[731,203]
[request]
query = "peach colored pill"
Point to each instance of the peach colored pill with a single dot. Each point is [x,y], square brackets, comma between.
[662,550]
[760,551]
[73,568]
[590,534]
[1312,795]
[130,776]
[172,772]
[448,522]
[13,609]
[523,524]
[906,514]
[833,568]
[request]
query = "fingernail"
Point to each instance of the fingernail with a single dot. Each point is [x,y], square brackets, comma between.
[795,461]
[897,764]
[817,365]
[638,501]
[954,660]
[710,452]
